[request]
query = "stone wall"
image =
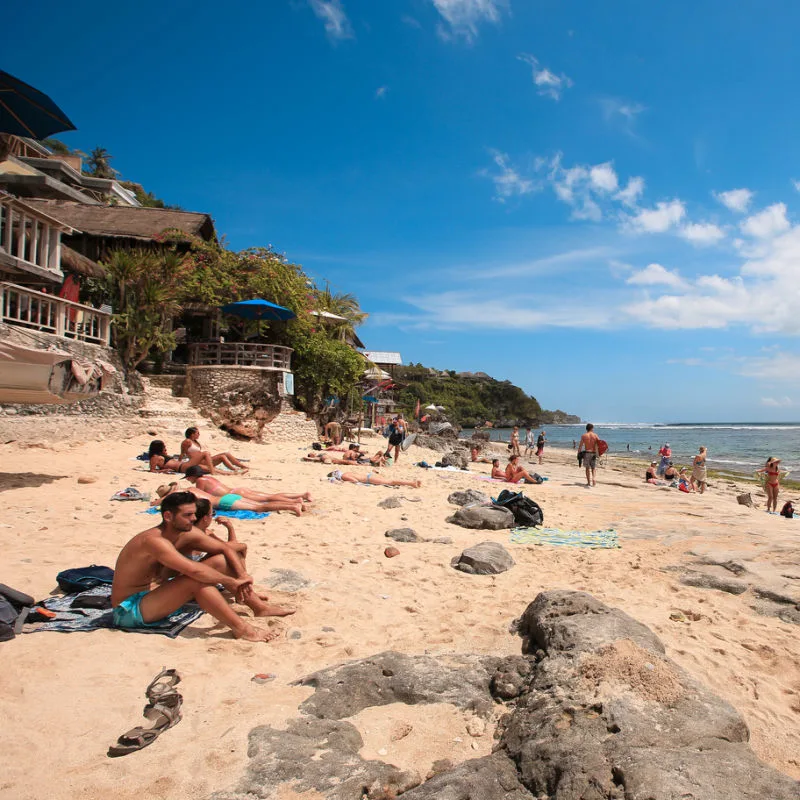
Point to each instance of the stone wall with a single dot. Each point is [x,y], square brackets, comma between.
[248,402]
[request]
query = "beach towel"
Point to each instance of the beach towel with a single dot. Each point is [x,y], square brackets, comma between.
[556,536]
[70,620]
[221,513]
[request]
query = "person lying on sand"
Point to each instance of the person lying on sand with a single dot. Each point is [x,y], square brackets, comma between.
[213,486]
[475,456]
[350,456]
[371,478]
[515,472]
[191,446]
[139,601]
[194,543]
[161,461]
[230,502]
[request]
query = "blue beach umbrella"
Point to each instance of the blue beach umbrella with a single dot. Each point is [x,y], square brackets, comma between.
[25,111]
[258,309]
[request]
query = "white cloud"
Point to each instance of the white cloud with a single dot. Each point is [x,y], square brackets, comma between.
[655,275]
[332,13]
[701,233]
[779,366]
[735,199]
[381,91]
[659,219]
[604,177]
[616,107]
[630,194]
[777,402]
[508,182]
[767,223]
[547,83]
[464,16]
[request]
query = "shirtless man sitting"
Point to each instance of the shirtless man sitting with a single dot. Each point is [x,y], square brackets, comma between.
[139,600]
[497,471]
[213,486]
[229,502]
[515,472]
[371,478]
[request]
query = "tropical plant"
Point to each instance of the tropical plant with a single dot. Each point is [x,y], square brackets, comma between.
[342,304]
[143,287]
[98,164]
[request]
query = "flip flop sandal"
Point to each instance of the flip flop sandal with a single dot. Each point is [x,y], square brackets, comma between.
[135,739]
[163,715]
[164,683]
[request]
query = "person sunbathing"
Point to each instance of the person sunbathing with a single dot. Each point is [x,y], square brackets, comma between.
[161,461]
[207,483]
[191,446]
[476,458]
[371,478]
[231,501]
[515,472]
[140,601]
[190,546]
[497,472]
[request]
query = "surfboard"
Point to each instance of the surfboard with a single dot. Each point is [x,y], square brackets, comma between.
[408,441]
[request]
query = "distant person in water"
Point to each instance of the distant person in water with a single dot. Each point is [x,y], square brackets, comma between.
[772,473]
[699,474]
[590,447]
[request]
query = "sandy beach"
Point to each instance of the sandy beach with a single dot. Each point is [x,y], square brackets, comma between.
[65,698]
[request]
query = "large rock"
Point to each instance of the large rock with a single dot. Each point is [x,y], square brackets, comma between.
[468,497]
[486,558]
[404,535]
[483,518]
[456,458]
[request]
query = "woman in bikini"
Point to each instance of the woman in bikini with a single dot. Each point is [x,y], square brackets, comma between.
[699,474]
[371,478]
[773,475]
[190,448]
[161,461]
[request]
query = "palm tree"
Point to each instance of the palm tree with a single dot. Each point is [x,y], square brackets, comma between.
[98,164]
[343,304]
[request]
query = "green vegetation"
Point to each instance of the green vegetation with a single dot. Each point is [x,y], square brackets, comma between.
[471,401]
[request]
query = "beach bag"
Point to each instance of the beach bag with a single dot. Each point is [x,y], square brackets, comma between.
[12,603]
[527,513]
[537,478]
[787,510]
[79,579]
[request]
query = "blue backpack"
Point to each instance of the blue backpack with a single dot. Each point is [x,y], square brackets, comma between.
[79,579]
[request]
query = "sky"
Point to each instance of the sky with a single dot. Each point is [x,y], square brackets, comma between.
[599,202]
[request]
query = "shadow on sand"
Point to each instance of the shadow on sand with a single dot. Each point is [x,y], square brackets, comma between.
[23,480]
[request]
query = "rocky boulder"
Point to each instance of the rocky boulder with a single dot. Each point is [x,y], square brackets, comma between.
[456,458]
[404,535]
[486,558]
[469,497]
[483,518]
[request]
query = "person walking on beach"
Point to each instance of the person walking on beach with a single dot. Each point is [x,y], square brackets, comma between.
[540,445]
[515,441]
[699,474]
[398,430]
[772,472]
[590,447]
[665,454]
[139,600]
[529,441]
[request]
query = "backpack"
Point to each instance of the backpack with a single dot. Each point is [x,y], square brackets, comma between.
[12,603]
[79,579]
[787,510]
[527,513]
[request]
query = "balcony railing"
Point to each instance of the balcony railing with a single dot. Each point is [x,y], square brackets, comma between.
[240,354]
[51,314]
[31,238]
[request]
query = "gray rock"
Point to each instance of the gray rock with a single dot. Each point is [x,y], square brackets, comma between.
[486,558]
[404,535]
[441,540]
[390,502]
[702,580]
[456,458]
[294,634]
[468,497]
[287,580]
[483,517]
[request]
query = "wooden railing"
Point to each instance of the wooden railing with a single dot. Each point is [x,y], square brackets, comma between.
[31,238]
[51,314]
[240,354]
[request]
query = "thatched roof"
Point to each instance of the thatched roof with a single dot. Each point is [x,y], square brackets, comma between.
[127,221]
[75,262]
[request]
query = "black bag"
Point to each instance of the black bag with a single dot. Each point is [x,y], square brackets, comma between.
[527,513]
[80,579]
[11,604]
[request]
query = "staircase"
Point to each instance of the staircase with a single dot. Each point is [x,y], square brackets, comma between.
[163,406]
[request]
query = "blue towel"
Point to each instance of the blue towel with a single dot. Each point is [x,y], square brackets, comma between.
[234,514]
[70,620]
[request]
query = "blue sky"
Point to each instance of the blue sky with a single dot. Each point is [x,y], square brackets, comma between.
[596,201]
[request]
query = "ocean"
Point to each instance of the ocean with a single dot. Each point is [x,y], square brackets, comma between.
[737,447]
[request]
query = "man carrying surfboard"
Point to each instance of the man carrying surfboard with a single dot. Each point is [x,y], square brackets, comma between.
[590,445]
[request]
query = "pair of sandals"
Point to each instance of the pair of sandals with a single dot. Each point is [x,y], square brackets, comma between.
[163,710]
